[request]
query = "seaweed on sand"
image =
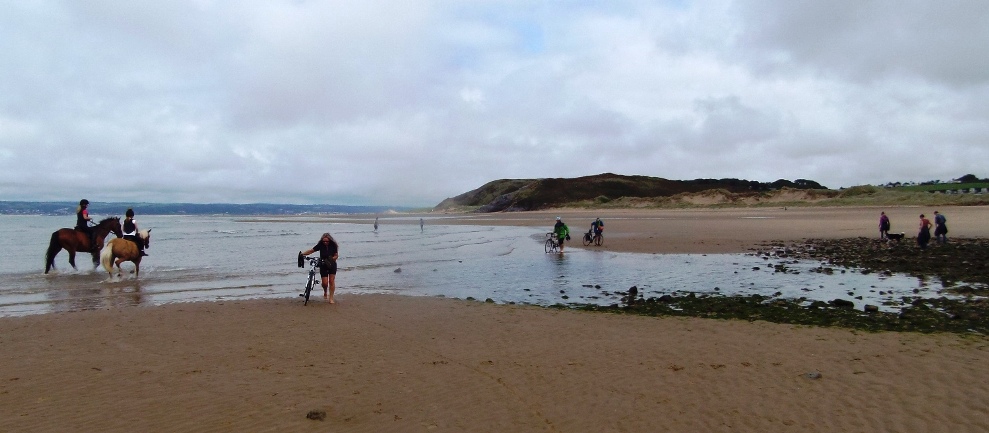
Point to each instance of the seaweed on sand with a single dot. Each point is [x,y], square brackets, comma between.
[960,260]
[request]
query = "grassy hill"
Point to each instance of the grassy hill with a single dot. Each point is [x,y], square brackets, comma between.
[600,190]
[616,191]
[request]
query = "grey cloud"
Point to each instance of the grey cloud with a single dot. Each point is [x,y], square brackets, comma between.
[941,42]
[384,102]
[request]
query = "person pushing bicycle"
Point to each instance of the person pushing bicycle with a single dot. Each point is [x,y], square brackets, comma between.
[562,232]
[328,253]
[597,226]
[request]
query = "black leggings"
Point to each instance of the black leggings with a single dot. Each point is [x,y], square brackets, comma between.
[137,240]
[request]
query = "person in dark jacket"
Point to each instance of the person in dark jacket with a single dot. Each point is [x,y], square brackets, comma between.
[940,228]
[883,226]
[328,254]
[131,231]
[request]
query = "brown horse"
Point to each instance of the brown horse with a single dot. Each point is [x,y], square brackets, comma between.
[73,240]
[121,250]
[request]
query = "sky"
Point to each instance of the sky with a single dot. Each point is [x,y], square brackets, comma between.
[406,103]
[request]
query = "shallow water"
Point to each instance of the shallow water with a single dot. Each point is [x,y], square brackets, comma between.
[213,258]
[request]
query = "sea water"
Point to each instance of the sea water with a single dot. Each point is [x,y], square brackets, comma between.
[215,258]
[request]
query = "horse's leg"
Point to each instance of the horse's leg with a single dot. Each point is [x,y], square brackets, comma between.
[118,261]
[54,246]
[72,258]
[137,266]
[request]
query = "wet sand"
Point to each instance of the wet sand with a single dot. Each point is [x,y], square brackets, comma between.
[384,363]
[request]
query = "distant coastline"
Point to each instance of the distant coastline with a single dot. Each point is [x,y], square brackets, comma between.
[114,208]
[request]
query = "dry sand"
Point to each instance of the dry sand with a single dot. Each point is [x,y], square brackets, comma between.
[387,363]
[737,229]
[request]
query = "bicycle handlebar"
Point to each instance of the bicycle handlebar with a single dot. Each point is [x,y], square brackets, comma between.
[313,261]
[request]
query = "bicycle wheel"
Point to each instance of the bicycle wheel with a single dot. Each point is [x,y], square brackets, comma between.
[598,239]
[587,239]
[550,246]
[309,286]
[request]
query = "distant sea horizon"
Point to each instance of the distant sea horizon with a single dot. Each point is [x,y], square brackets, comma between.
[118,208]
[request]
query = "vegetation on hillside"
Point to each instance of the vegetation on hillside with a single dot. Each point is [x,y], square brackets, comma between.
[945,187]
[534,194]
[617,191]
[966,182]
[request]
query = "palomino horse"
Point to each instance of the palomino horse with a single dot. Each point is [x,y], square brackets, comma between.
[121,250]
[73,240]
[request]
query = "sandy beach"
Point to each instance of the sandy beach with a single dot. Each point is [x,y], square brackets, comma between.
[374,363]
[735,230]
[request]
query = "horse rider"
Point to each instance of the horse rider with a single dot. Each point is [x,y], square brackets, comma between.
[131,231]
[82,223]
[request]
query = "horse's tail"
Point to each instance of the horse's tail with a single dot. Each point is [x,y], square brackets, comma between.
[53,248]
[106,257]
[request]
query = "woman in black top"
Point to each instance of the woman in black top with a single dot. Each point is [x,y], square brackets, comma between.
[130,231]
[327,248]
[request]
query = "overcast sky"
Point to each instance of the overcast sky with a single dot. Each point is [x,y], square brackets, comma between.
[409,102]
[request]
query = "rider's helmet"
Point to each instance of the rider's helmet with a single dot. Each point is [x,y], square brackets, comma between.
[558,218]
[83,202]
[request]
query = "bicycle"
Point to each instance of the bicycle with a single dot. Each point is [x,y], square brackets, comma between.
[552,243]
[596,239]
[314,263]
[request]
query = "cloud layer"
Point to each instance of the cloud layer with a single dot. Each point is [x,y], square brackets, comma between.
[410,102]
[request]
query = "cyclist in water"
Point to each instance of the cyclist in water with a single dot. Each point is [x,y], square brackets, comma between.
[562,232]
[328,254]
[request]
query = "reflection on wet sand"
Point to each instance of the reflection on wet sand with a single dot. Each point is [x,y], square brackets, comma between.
[104,295]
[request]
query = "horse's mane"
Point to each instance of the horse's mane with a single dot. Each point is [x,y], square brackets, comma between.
[107,219]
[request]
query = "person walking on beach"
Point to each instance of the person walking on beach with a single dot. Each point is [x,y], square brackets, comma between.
[924,237]
[940,228]
[422,225]
[82,222]
[328,254]
[883,226]
[562,232]
[375,224]
[130,231]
